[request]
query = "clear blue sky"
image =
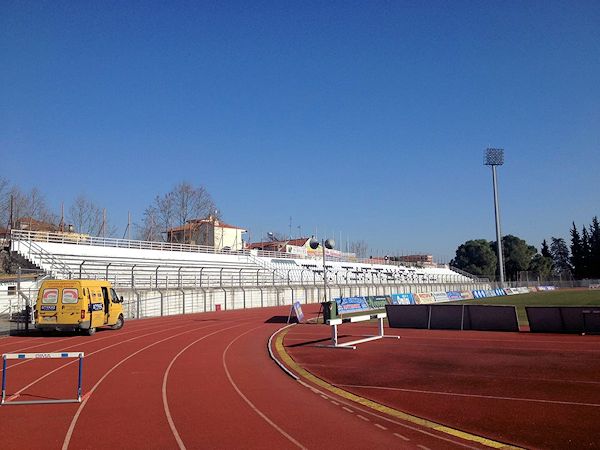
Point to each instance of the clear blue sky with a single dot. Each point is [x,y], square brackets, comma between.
[365,118]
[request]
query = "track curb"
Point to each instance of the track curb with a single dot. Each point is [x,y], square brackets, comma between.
[304,375]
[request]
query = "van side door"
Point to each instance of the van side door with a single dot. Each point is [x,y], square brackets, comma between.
[106,300]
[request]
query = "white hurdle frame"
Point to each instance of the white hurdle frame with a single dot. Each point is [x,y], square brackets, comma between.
[352,344]
[61,355]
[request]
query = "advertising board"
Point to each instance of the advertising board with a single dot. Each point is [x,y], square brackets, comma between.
[454,295]
[440,296]
[403,299]
[424,298]
[351,304]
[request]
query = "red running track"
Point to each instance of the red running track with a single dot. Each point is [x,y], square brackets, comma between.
[527,389]
[194,381]
[207,381]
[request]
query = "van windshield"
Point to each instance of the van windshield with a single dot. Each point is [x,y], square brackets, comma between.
[70,296]
[50,296]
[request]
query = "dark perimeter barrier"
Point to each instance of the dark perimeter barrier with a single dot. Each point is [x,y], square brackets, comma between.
[453,317]
[564,319]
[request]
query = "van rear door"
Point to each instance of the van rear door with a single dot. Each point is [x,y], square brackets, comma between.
[69,312]
[48,308]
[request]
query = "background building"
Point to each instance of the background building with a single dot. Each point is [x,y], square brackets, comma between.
[209,232]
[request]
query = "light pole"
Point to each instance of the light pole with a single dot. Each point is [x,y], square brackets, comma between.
[325,243]
[495,157]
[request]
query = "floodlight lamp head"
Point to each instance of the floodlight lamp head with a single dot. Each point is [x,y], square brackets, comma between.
[330,244]
[314,244]
[494,157]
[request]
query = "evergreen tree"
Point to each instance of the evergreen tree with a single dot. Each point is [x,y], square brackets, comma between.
[476,257]
[594,249]
[585,252]
[560,256]
[545,250]
[577,257]
[517,255]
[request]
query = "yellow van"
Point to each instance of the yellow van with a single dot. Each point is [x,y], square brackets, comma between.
[78,305]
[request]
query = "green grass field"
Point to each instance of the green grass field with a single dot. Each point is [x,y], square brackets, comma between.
[549,298]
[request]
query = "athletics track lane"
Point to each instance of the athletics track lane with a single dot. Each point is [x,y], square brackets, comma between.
[44,426]
[223,391]
[532,390]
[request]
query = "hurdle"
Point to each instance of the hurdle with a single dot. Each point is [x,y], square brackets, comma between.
[21,356]
[352,319]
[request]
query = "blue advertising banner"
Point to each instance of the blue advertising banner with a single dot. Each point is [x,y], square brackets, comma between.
[454,295]
[479,293]
[403,299]
[351,304]
[298,312]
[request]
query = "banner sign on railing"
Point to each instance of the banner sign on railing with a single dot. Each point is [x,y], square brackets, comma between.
[424,298]
[440,296]
[454,295]
[378,301]
[351,304]
[403,299]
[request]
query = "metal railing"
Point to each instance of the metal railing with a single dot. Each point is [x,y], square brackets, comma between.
[43,259]
[78,239]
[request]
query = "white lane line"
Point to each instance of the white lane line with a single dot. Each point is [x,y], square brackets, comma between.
[423,447]
[492,397]
[92,390]
[380,426]
[164,388]
[247,400]
[334,402]
[78,344]
[408,426]
[363,418]
[398,435]
[88,354]
[347,409]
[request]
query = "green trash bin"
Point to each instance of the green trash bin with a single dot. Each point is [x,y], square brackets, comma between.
[329,311]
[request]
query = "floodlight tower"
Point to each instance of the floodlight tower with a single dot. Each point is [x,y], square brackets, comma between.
[325,244]
[495,157]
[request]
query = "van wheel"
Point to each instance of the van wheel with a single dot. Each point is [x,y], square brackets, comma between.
[90,331]
[120,323]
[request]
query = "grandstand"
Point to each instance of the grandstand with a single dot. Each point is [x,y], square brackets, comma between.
[178,278]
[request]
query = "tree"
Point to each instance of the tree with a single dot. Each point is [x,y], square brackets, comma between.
[150,229]
[88,218]
[476,257]
[586,252]
[4,202]
[173,209]
[560,257]
[541,267]
[577,254]
[594,263]
[31,204]
[517,255]
[545,250]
